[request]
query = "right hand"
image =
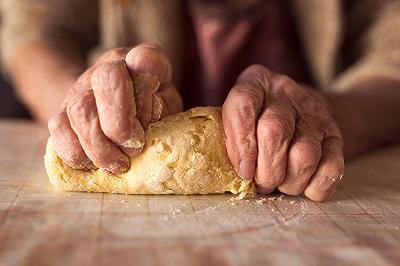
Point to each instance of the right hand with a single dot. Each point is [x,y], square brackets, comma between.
[103,118]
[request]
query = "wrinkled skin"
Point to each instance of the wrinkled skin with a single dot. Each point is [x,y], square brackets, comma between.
[282,135]
[103,118]
[278,133]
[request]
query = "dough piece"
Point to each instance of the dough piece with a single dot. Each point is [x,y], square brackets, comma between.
[184,154]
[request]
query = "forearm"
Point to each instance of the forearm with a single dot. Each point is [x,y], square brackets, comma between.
[367,115]
[42,74]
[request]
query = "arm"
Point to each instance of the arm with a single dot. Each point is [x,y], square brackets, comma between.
[43,48]
[367,114]
[42,75]
[366,104]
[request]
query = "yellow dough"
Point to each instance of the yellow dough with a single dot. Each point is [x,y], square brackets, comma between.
[184,154]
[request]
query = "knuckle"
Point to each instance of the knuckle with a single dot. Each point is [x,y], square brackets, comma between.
[284,84]
[255,69]
[151,45]
[107,74]
[115,53]
[283,81]
[55,122]
[245,98]
[316,108]
[150,60]
[277,128]
[256,74]
[80,104]
[307,155]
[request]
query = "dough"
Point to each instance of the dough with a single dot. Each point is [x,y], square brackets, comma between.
[184,154]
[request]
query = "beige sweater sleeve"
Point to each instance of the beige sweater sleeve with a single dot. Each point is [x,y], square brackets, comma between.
[72,22]
[373,33]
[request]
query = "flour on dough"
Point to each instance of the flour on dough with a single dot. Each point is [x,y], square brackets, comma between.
[184,154]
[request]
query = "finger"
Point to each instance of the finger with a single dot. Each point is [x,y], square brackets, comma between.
[84,121]
[113,90]
[303,157]
[275,130]
[150,69]
[83,82]
[66,142]
[166,102]
[111,55]
[240,113]
[329,172]
[274,133]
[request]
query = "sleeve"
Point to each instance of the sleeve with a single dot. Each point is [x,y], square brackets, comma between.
[72,22]
[371,44]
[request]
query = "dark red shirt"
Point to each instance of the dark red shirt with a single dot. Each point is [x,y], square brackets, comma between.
[222,41]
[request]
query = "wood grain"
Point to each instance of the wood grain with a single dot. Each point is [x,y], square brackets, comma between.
[42,226]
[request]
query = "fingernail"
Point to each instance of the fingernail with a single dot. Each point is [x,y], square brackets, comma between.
[119,167]
[157,109]
[131,151]
[135,142]
[91,166]
[246,170]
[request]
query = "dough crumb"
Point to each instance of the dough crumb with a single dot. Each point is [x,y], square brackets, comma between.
[261,201]
[241,196]
[292,202]
[138,205]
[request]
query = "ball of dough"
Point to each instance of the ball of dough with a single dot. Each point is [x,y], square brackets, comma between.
[184,153]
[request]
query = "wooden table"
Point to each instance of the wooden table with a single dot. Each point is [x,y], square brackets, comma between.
[42,226]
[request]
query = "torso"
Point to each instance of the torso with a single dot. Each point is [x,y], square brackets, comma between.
[222,40]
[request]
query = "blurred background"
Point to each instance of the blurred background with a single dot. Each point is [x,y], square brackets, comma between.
[10,107]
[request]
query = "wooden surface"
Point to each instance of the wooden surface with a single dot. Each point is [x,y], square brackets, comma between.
[41,226]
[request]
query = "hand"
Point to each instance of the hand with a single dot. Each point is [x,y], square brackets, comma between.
[103,118]
[282,135]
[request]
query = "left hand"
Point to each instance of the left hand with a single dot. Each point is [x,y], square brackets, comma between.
[282,135]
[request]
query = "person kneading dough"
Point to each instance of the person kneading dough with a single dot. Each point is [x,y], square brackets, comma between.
[121,129]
